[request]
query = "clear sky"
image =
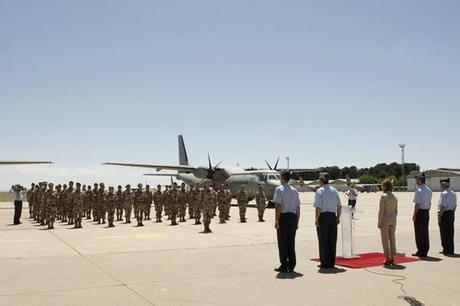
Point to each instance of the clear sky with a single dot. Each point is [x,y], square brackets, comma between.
[325,82]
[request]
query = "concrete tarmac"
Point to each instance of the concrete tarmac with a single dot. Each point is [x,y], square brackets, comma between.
[159,264]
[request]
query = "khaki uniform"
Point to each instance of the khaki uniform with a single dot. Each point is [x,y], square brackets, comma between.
[242,198]
[388,212]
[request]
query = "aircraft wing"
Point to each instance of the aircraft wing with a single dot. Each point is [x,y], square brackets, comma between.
[156,167]
[293,170]
[22,162]
[161,174]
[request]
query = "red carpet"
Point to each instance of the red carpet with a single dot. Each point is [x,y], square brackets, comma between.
[367,260]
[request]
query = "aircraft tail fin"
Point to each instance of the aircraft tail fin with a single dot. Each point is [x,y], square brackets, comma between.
[183,158]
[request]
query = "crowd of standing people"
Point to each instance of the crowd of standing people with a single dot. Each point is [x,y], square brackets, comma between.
[71,203]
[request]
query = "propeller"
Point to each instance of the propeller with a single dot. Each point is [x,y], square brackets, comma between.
[211,169]
[276,164]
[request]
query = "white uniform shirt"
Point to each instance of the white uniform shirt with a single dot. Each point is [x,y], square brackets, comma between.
[352,193]
[18,195]
[423,196]
[448,200]
[327,199]
[287,197]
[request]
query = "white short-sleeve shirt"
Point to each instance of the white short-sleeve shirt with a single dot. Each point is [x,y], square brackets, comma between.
[448,200]
[287,197]
[327,199]
[423,196]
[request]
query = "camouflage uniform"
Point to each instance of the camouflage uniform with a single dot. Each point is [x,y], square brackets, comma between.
[242,198]
[157,201]
[261,199]
[119,203]
[34,197]
[101,204]
[69,204]
[59,202]
[175,196]
[78,205]
[42,205]
[208,202]
[196,198]
[30,200]
[167,201]
[221,203]
[228,202]
[94,202]
[62,208]
[128,200]
[189,200]
[50,199]
[111,203]
[88,202]
[148,202]
[182,203]
[139,202]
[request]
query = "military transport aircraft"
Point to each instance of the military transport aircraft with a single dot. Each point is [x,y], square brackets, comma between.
[233,177]
[19,162]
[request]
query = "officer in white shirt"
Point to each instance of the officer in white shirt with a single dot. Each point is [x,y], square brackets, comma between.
[421,217]
[328,209]
[18,198]
[287,215]
[446,217]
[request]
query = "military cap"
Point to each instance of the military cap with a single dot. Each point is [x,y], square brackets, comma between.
[78,184]
[139,185]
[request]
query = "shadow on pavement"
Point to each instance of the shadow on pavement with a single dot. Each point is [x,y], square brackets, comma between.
[291,275]
[430,259]
[395,267]
[331,271]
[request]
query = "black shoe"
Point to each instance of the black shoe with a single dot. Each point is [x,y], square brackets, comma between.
[281,270]
[416,255]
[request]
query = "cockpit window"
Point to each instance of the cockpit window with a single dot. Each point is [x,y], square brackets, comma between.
[273,177]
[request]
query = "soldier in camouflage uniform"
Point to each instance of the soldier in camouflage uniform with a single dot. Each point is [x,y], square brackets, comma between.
[69,204]
[242,198]
[88,196]
[139,202]
[30,201]
[182,203]
[94,202]
[119,203]
[50,199]
[111,203]
[62,207]
[196,198]
[208,202]
[167,201]
[34,200]
[221,203]
[157,201]
[42,204]
[78,205]
[174,196]
[189,202]
[59,202]
[228,203]
[101,203]
[128,200]
[260,202]
[148,202]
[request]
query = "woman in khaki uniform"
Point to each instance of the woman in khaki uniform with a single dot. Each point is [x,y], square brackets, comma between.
[388,212]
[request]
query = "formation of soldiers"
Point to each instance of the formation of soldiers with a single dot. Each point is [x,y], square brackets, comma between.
[71,204]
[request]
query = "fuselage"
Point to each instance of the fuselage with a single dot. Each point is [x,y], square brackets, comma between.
[268,179]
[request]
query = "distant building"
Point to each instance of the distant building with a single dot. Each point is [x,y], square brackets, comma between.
[433,177]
